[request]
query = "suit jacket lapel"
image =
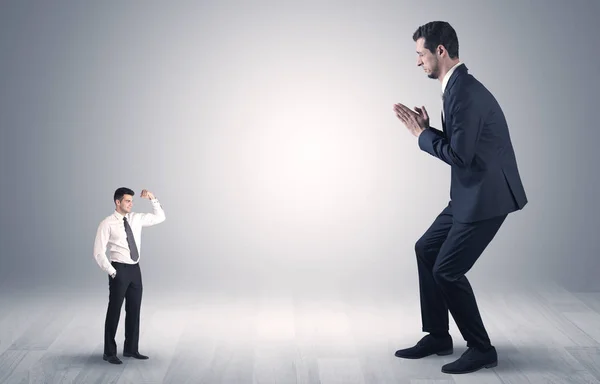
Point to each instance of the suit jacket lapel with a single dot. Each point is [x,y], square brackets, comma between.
[455,75]
[447,92]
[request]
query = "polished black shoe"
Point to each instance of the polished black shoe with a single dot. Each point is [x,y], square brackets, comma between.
[472,360]
[428,345]
[135,355]
[111,359]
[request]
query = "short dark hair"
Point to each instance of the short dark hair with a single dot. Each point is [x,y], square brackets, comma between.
[120,192]
[438,33]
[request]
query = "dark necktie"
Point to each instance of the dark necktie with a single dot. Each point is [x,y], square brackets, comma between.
[131,241]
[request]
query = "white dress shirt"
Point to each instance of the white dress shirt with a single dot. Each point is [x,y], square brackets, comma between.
[445,83]
[111,236]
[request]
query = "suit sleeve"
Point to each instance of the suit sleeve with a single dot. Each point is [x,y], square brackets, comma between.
[434,134]
[466,125]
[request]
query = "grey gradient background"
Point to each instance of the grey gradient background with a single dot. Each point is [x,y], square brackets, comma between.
[266,130]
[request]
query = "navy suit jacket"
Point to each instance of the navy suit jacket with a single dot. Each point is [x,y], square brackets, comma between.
[475,142]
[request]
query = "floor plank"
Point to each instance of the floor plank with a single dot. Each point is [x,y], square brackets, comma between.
[589,358]
[543,335]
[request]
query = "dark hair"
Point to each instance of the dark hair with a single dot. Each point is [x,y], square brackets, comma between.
[438,33]
[122,191]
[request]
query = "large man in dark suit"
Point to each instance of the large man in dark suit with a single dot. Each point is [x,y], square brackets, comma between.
[485,188]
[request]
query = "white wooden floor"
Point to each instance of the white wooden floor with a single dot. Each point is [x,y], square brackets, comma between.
[542,334]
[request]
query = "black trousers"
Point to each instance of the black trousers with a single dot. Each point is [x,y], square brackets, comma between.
[445,253]
[127,285]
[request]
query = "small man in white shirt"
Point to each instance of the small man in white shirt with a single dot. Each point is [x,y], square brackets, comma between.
[119,237]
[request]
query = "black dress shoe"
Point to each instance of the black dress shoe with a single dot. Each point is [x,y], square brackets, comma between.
[135,355]
[428,345]
[472,360]
[111,359]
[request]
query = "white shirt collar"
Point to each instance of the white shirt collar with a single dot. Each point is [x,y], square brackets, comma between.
[447,76]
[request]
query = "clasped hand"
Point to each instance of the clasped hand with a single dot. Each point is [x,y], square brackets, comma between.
[416,122]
